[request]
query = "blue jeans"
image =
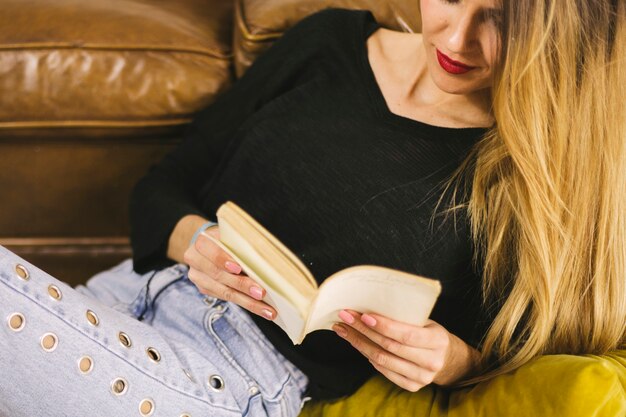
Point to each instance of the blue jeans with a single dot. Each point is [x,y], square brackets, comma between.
[133,345]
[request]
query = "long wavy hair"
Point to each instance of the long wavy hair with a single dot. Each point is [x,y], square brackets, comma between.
[547,206]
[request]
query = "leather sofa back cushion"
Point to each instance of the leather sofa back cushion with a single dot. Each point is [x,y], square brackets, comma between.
[107,66]
[259,22]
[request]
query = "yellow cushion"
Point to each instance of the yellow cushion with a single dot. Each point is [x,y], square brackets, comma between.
[551,385]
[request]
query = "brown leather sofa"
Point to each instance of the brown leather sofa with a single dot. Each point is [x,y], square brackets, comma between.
[95,92]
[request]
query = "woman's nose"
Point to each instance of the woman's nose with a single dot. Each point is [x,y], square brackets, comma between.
[462,34]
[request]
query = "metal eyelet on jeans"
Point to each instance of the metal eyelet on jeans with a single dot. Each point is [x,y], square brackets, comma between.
[85,365]
[54,292]
[216,383]
[92,318]
[153,354]
[185,415]
[119,386]
[124,339]
[22,272]
[146,407]
[49,342]
[16,321]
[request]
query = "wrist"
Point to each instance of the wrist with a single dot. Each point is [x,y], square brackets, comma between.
[199,230]
[180,237]
[462,360]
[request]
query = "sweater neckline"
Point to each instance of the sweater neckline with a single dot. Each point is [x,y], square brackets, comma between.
[380,104]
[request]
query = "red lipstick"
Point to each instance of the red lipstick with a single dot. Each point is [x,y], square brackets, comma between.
[452,66]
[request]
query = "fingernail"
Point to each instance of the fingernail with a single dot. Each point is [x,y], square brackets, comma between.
[340,330]
[256,292]
[267,314]
[369,320]
[232,267]
[345,316]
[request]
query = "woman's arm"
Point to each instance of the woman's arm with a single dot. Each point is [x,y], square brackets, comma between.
[409,356]
[181,236]
[171,190]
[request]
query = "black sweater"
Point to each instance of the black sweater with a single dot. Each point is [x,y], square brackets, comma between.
[306,144]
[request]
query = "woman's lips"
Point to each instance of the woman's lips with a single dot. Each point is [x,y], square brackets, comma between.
[452,66]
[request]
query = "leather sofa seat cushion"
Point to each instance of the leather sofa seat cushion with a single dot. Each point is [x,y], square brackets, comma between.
[259,22]
[110,67]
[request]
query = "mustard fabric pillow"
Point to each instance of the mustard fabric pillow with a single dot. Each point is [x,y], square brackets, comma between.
[551,385]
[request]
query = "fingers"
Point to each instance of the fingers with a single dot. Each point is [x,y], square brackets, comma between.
[399,380]
[209,271]
[425,358]
[214,252]
[426,337]
[215,288]
[213,261]
[403,372]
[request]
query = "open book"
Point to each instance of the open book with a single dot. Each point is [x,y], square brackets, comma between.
[302,306]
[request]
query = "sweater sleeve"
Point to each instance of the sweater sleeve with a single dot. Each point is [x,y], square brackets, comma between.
[170,190]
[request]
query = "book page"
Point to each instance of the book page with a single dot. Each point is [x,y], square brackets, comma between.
[289,318]
[234,220]
[231,211]
[373,289]
[275,274]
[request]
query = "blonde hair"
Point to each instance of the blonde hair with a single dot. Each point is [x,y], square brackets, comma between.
[548,202]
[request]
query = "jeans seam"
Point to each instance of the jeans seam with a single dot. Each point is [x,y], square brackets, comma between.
[256,333]
[281,391]
[222,346]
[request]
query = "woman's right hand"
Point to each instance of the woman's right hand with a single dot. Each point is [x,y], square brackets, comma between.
[216,274]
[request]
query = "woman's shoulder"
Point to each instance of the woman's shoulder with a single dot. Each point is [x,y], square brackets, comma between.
[330,26]
[337,17]
[324,36]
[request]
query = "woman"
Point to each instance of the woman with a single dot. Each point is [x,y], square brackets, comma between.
[347,141]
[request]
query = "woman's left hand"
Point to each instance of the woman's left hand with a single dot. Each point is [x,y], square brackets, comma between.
[409,356]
